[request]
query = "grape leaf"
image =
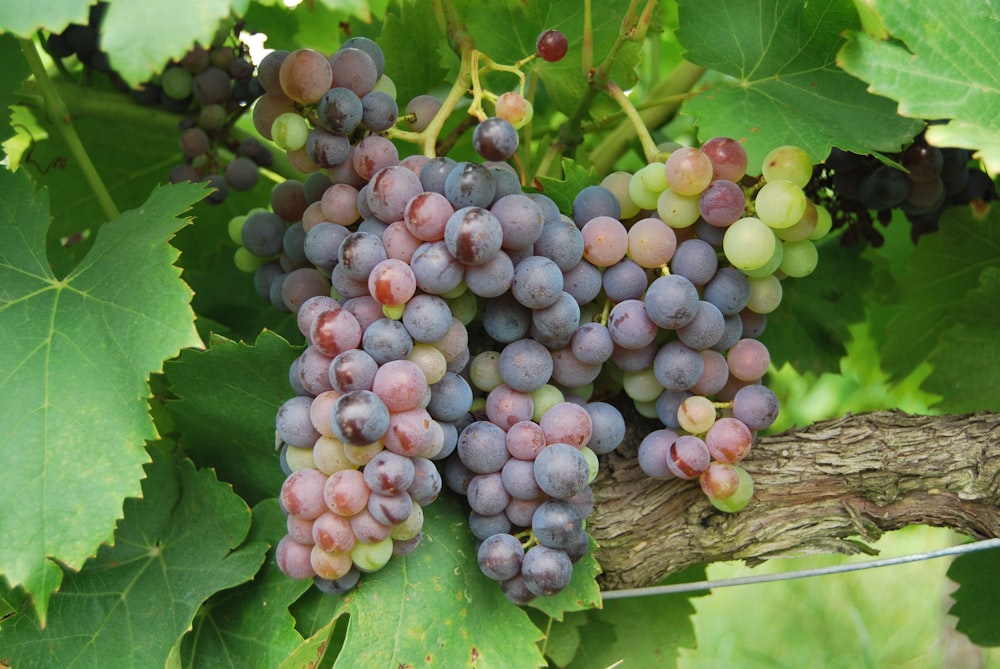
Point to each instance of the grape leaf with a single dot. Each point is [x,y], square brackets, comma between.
[978,596]
[643,631]
[562,638]
[249,626]
[130,604]
[940,65]
[15,71]
[141,36]
[809,328]
[73,375]
[229,395]
[967,358]
[445,613]
[787,88]
[943,269]
[410,40]
[25,17]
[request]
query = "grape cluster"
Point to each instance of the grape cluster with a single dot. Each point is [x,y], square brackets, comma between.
[462,332]
[924,181]
[83,42]
[211,88]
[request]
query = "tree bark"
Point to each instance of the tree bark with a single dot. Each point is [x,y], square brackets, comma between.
[830,487]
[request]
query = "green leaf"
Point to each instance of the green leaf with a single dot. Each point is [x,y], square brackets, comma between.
[787,88]
[940,65]
[978,596]
[943,270]
[967,358]
[249,626]
[129,605]
[507,33]
[643,631]
[809,328]
[229,395]
[563,191]
[431,608]
[25,17]
[562,638]
[410,40]
[14,72]
[73,373]
[141,36]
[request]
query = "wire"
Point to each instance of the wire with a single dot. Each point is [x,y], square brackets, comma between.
[696,586]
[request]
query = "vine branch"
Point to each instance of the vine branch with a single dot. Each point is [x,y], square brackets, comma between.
[58,114]
[831,487]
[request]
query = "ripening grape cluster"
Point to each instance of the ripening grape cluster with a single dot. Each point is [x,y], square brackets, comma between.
[463,333]
[927,181]
[209,86]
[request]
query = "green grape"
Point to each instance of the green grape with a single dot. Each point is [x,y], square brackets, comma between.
[800,258]
[696,414]
[789,163]
[641,386]
[246,261]
[645,409]
[646,185]
[290,131]
[618,183]
[765,294]
[803,228]
[592,463]
[464,306]
[235,228]
[824,223]
[545,398]
[780,203]
[371,557]
[748,244]
[386,85]
[176,83]
[677,210]
[772,264]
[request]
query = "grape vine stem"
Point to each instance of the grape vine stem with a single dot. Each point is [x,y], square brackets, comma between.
[58,114]
[832,487]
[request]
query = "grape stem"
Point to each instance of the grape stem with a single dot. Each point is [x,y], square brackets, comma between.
[58,114]
[650,150]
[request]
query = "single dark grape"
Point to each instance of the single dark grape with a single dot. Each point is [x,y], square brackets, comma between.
[551,46]
[495,139]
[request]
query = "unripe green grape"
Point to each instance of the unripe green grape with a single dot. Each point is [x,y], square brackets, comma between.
[235,228]
[641,386]
[618,183]
[790,163]
[765,294]
[593,464]
[824,223]
[582,392]
[545,398]
[430,360]
[772,264]
[246,261]
[484,371]
[299,458]
[676,209]
[410,527]
[645,409]
[386,85]
[800,258]
[371,557]
[780,203]
[646,185]
[748,244]
[803,228]
[290,131]
[464,306]
[176,83]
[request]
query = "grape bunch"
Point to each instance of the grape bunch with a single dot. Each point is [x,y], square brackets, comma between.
[211,87]
[924,182]
[82,41]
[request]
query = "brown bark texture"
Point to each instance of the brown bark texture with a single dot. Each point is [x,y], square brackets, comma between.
[830,487]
